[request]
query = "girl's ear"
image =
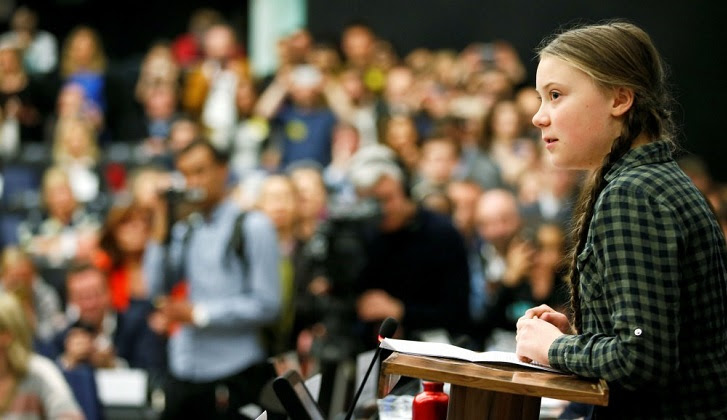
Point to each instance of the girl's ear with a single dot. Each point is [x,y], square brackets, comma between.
[623,99]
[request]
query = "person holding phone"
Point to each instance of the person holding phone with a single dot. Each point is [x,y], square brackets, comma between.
[648,278]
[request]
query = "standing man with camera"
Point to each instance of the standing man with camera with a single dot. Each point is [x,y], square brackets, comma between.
[214,297]
[416,269]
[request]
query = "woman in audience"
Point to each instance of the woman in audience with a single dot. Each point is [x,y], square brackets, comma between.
[67,232]
[31,386]
[123,240]
[514,154]
[20,98]
[40,301]
[83,61]
[75,149]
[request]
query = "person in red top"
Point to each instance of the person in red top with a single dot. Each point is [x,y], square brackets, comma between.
[124,237]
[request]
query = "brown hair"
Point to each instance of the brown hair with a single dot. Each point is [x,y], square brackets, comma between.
[118,214]
[614,54]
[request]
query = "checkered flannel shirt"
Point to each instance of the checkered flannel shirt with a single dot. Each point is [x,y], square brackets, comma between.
[653,290]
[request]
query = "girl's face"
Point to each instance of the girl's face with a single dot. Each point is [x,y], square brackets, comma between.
[577,119]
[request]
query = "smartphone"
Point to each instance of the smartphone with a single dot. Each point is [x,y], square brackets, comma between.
[296,398]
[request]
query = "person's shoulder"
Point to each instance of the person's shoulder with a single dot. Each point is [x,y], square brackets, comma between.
[663,181]
[42,368]
[256,220]
[436,222]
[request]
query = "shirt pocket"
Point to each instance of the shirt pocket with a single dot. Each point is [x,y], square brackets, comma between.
[590,286]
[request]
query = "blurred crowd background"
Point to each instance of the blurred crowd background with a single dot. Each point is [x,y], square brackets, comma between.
[88,143]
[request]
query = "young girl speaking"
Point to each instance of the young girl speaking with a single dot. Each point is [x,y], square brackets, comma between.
[648,278]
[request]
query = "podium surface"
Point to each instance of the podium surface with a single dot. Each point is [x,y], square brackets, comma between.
[492,391]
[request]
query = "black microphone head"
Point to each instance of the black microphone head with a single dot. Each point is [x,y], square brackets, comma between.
[388,327]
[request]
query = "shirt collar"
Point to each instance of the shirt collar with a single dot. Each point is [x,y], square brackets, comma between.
[653,152]
[221,209]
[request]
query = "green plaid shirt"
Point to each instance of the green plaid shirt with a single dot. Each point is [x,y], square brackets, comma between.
[653,287]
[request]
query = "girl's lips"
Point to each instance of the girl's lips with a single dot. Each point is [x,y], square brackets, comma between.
[549,143]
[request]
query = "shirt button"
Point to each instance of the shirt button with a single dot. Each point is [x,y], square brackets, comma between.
[637,332]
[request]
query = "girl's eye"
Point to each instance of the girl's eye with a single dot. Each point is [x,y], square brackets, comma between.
[554,95]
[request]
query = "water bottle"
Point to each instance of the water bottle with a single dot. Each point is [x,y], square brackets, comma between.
[431,403]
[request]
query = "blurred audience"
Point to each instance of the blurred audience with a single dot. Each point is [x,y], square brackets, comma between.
[369,184]
[33,387]
[40,301]
[39,48]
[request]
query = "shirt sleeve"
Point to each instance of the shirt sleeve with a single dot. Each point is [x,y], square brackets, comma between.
[629,293]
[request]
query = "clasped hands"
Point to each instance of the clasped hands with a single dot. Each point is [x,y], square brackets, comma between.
[536,331]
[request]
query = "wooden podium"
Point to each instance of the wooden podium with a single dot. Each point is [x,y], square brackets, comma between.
[491,391]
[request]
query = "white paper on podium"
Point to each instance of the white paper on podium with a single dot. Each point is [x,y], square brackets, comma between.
[454,352]
[122,387]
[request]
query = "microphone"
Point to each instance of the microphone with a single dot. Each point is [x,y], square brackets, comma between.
[388,328]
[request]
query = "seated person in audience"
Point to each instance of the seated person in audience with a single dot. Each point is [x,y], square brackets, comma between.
[464,195]
[70,103]
[123,239]
[278,201]
[311,195]
[210,86]
[437,166]
[158,68]
[344,145]
[401,135]
[251,132]
[9,130]
[44,312]
[542,284]
[507,252]
[98,335]
[416,269]
[68,231]
[20,94]
[514,153]
[83,62]
[33,387]
[39,48]
[151,127]
[75,149]
[187,47]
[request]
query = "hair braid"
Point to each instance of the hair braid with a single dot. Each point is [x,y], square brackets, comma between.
[584,213]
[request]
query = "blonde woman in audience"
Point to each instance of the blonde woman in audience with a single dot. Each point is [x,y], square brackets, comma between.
[68,231]
[75,149]
[42,304]
[31,386]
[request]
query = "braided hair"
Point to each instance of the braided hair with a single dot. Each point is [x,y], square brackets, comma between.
[613,54]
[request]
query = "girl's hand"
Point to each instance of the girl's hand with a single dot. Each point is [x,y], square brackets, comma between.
[534,338]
